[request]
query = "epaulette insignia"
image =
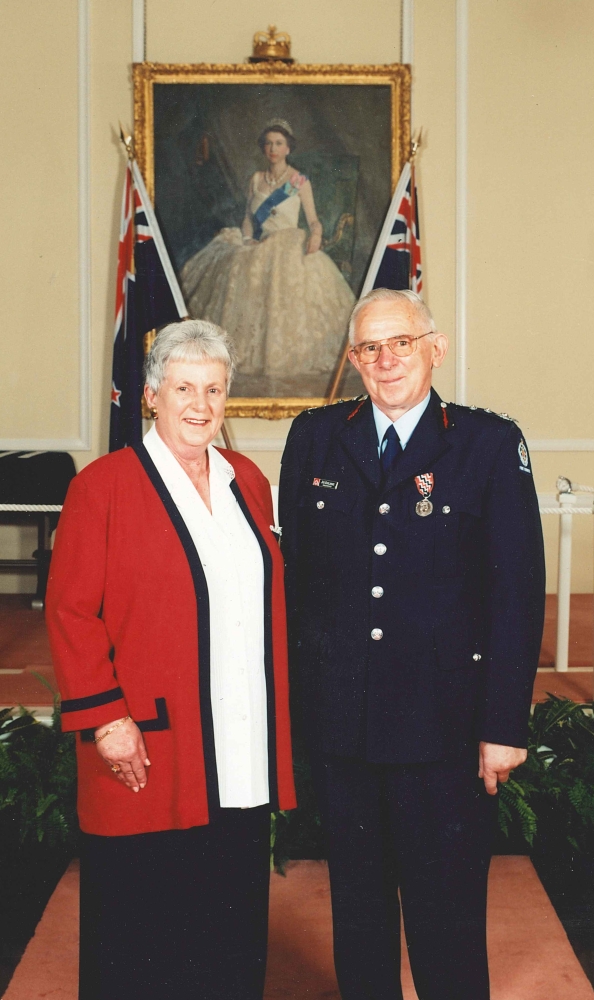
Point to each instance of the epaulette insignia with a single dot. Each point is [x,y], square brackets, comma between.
[502,416]
[356,410]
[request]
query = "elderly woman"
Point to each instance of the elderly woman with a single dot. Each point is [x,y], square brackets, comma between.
[165,610]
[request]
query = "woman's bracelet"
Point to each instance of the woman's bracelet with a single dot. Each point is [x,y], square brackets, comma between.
[112,729]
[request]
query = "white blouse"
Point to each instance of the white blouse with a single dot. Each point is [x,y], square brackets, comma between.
[232,562]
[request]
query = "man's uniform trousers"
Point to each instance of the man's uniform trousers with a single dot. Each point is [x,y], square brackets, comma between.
[424,830]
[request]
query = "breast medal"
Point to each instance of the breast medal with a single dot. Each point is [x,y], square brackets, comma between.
[424,483]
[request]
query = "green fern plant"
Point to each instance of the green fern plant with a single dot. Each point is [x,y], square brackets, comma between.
[549,800]
[37,781]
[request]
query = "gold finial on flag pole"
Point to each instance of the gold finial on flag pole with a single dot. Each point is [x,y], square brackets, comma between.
[127,141]
[415,144]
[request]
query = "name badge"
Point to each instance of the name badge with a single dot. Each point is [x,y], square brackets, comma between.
[328,484]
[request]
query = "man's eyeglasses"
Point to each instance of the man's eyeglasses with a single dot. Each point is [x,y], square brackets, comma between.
[402,347]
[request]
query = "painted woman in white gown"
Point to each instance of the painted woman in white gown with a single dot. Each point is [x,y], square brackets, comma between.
[281,299]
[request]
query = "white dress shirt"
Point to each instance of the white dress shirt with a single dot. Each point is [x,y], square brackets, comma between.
[232,562]
[405,424]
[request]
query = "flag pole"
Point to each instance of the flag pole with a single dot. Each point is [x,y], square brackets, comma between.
[414,148]
[149,337]
[338,375]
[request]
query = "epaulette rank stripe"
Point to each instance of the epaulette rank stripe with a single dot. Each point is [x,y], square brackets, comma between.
[357,408]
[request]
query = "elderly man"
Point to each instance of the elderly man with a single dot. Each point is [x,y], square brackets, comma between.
[415,577]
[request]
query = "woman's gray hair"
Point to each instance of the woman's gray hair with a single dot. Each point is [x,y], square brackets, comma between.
[189,340]
[386,294]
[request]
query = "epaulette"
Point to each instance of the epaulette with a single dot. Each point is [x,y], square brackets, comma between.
[478,409]
[485,409]
[325,406]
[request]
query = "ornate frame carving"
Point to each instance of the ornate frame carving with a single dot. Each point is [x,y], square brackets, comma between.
[396,76]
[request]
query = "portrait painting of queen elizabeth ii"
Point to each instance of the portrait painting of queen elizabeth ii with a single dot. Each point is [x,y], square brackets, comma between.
[271,197]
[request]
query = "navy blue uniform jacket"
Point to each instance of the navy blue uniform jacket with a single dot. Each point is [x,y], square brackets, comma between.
[463,588]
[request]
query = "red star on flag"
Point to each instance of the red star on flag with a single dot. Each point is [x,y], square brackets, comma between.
[115,394]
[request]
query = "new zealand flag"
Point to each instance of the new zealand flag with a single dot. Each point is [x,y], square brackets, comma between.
[396,261]
[147,296]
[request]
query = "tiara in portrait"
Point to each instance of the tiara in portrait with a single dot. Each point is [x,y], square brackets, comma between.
[279,123]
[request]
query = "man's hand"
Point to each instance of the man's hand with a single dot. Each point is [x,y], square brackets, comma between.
[124,751]
[495,763]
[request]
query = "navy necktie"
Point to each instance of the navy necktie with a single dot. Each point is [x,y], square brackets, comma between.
[392,450]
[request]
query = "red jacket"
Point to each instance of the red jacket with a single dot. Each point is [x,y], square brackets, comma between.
[127,614]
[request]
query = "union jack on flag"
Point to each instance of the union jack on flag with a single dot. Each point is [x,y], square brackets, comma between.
[147,296]
[396,261]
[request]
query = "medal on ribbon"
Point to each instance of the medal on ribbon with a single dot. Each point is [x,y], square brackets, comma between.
[424,483]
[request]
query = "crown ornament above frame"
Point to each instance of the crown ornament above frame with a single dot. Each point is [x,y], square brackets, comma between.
[271,46]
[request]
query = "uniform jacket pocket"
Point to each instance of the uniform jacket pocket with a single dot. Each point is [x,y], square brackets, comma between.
[457,644]
[457,526]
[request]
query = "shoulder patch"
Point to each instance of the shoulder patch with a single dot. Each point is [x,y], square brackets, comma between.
[524,458]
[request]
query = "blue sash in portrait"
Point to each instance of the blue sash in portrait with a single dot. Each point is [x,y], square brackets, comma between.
[281,194]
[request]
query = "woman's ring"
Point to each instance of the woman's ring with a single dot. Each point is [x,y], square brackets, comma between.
[115,768]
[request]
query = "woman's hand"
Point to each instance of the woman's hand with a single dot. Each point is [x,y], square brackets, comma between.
[315,226]
[314,243]
[125,753]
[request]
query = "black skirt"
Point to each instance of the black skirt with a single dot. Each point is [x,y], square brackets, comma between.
[180,914]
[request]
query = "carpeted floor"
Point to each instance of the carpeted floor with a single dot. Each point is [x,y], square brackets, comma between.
[530,956]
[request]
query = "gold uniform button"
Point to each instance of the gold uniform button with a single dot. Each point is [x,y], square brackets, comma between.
[377,591]
[380,549]
[384,508]
[376,633]
[320,504]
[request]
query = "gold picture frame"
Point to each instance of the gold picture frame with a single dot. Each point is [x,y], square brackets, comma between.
[395,77]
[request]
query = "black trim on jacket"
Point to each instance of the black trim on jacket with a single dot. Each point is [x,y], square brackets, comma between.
[203,609]
[92,700]
[156,725]
[268,656]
